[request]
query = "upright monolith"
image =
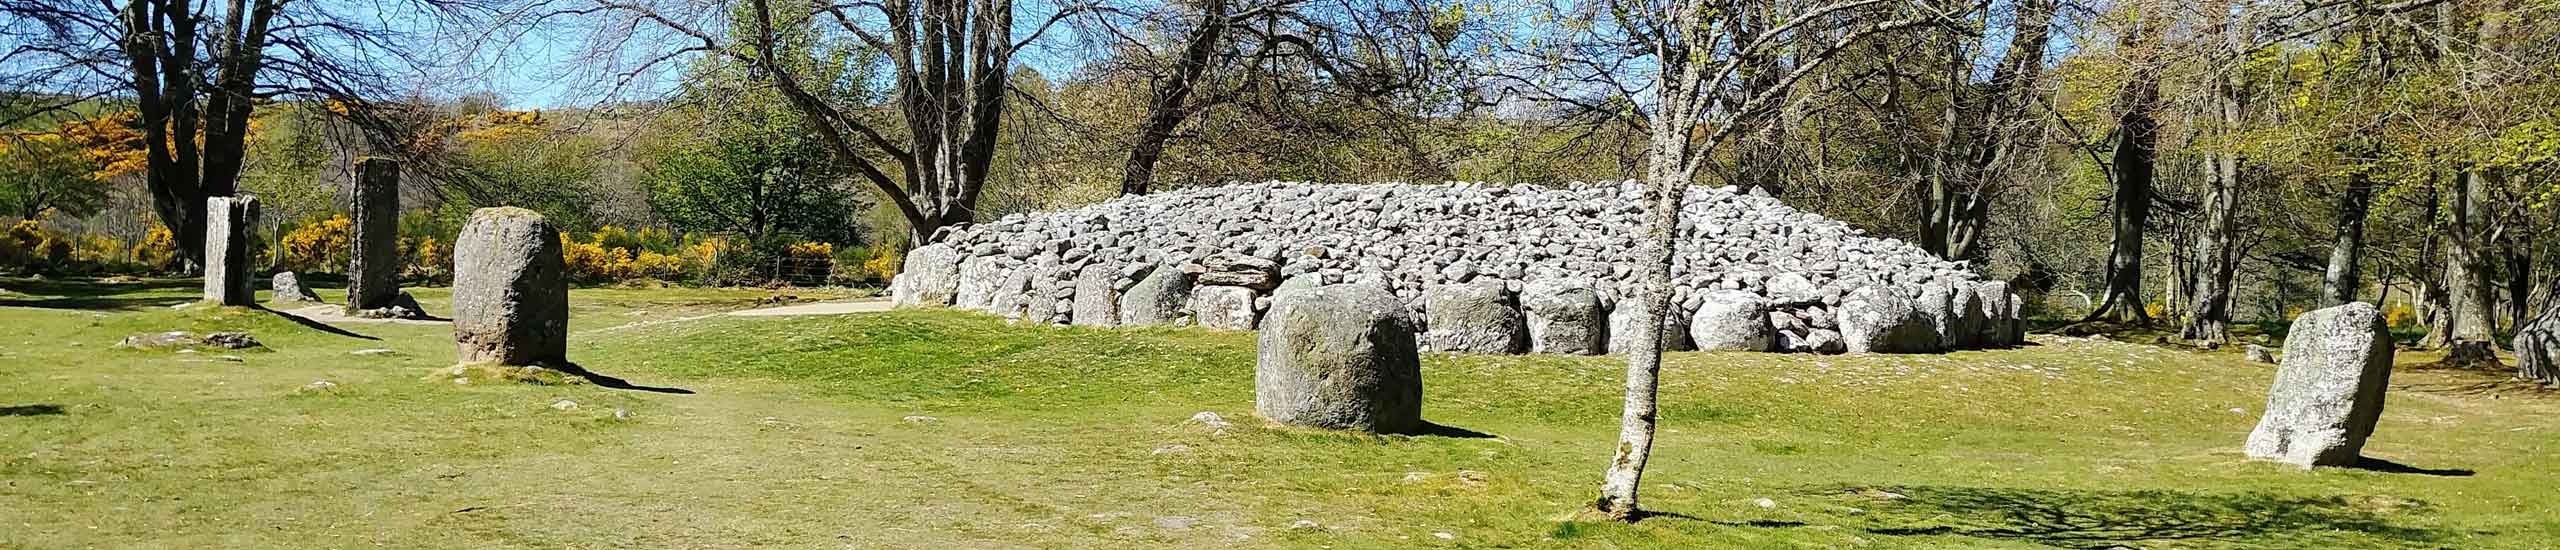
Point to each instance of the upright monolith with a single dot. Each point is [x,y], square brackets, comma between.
[2328,390]
[510,295]
[227,226]
[1339,357]
[373,261]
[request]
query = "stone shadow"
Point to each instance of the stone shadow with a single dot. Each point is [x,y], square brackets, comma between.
[607,381]
[42,409]
[2372,464]
[1435,429]
[2088,519]
[307,322]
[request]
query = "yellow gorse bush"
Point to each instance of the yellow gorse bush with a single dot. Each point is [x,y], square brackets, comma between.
[320,246]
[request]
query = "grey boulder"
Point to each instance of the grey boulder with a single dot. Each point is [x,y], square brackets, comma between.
[1564,316]
[1879,320]
[510,292]
[2328,390]
[1732,320]
[1480,316]
[1340,357]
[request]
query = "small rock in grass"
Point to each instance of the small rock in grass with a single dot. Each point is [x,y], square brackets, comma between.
[620,413]
[1175,522]
[317,386]
[230,358]
[1210,419]
[921,419]
[1765,503]
[373,351]
[1305,525]
[1445,535]
[231,340]
[564,405]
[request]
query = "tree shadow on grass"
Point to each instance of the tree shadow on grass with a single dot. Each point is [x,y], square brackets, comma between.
[90,294]
[31,410]
[2130,519]
[307,322]
[606,381]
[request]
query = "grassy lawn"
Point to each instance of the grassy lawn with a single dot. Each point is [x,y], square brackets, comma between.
[926,429]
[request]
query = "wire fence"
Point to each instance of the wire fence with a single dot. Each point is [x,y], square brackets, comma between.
[800,271]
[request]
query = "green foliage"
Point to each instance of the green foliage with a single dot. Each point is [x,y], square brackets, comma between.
[43,171]
[748,164]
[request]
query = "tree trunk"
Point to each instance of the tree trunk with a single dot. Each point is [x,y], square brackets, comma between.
[2466,274]
[1166,109]
[2209,315]
[2137,143]
[2344,278]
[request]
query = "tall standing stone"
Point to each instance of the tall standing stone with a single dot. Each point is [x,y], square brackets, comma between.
[2328,389]
[228,222]
[510,292]
[373,263]
[1339,357]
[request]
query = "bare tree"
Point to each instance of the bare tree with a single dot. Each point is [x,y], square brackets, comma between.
[951,63]
[197,71]
[1695,98]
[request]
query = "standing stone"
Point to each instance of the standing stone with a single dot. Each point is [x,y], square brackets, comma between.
[1732,320]
[1223,307]
[1623,331]
[1158,298]
[373,258]
[1339,357]
[510,292]
[1097,301]
[286,289]
[2328,389]
[228,222]
[1878,320]
[1564,317]
[931,277]
[1966,317]
[2537,348]
[1473,317]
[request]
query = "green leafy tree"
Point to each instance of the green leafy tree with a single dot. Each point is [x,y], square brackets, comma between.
[751,165]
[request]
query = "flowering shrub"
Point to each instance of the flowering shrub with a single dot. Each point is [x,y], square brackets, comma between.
[319,247]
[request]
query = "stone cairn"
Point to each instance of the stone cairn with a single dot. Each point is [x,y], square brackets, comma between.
[1485,268]
[2328,389]
[1339,357]
[228,222]
[510,290]
[373,261]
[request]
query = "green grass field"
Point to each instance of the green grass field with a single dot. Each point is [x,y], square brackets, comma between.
[940,429]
